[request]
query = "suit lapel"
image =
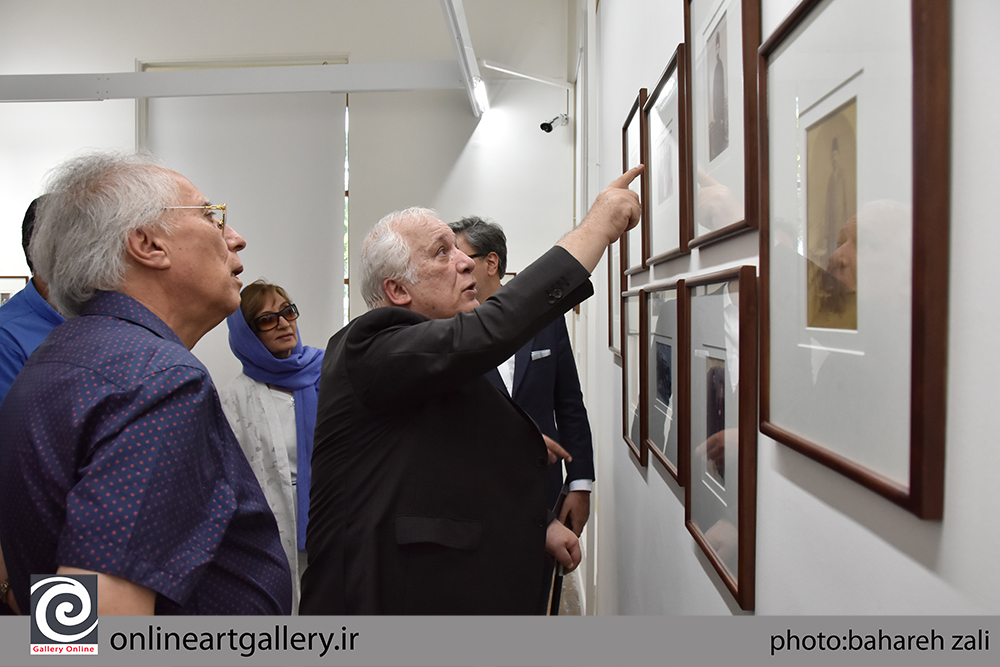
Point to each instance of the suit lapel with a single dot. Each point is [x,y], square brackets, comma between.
[521,361]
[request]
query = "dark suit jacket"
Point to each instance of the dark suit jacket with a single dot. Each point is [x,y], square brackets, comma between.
[428,485]
[547,387]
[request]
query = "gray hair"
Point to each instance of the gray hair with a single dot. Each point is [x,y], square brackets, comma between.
[386,255]
[485,236]
[95,201]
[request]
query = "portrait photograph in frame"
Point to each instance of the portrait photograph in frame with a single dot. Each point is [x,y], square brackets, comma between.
[721,491]
[666,209]
[11,285]
[848,320]
[634,133]
[666,374]
[633,375]
[722,38]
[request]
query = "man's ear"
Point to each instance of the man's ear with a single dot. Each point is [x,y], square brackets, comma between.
[396,292]
[146,248]
[492,264]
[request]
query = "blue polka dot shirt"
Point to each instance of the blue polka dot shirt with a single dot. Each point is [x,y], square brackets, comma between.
[117,458]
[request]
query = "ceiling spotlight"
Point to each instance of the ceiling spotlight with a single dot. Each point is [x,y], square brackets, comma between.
[561,119]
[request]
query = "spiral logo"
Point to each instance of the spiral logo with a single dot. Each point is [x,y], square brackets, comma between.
[63,612]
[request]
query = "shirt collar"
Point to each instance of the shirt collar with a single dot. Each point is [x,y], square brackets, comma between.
[116,304]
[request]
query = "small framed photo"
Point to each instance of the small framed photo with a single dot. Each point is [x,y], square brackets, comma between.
[667,405]
[721,490]
[722,38]
[635,244]
[666,208]
[854,242]
[11,285]
[633,375]
[615,298]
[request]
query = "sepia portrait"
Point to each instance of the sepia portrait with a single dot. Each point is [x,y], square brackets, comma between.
[831,219]
[718,90]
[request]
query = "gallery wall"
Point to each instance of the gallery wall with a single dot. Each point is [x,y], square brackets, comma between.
[824,544]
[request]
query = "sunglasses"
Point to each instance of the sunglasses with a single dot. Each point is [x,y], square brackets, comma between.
[268,321]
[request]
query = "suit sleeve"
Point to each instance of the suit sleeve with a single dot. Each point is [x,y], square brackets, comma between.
[396,354]
[571,414]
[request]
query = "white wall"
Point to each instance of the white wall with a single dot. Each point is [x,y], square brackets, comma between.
[825,545]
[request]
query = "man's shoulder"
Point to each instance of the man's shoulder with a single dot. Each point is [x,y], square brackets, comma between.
[118,349]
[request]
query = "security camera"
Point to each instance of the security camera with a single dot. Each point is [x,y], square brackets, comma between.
[561,119]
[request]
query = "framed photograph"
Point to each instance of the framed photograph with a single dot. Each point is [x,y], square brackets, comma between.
[666,209]
[11,285]
[634,132]
[722,38]
[633,376]
[721,491]
[667,405]
[854,242]
[615,298]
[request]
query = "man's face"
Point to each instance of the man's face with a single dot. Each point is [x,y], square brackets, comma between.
[480,271]
[205,258]
[445,285]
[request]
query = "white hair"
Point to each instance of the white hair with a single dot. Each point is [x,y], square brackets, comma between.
[386,255]
[95,201]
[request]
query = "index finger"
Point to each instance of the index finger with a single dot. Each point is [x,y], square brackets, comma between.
[629,176]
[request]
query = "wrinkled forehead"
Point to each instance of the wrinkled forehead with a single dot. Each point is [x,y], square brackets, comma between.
[424,233]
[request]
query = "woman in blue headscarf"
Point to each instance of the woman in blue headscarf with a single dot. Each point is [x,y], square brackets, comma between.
[272,409]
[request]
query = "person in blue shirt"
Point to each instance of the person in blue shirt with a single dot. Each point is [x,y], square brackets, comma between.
[117,458]
[27,318]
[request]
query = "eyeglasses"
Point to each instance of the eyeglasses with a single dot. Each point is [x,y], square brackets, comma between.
[208,208]
[268,321]
[478,254]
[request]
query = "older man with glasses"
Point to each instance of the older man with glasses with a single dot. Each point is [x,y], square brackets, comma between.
[118,460]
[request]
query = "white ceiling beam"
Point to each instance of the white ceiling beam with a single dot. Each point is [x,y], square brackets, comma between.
[454,15]
[340,78]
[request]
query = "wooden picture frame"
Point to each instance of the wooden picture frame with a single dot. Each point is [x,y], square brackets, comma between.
[667,372]
[615,298]
[667,205]
[720,498]
[724,143]
[858,312]
[633,374]
[635,242]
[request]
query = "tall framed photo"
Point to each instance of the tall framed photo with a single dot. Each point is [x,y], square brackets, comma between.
[667,372]
[721,491]
[667,205]
[615,298]
[722,38]
[633,375]
[634,132]
[11,285]
[854,242]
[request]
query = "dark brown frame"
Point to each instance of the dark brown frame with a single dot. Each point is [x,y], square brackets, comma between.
[743,586]
[678,66]
[924,495]
[611,297]
[750,40]
[638,449]
[636,108]
[681,471]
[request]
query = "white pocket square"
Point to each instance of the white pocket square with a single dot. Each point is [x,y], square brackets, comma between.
[540,354]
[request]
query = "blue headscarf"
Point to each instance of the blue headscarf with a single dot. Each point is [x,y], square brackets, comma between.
[299,373]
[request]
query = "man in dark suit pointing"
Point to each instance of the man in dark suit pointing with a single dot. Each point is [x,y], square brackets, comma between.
[428,486]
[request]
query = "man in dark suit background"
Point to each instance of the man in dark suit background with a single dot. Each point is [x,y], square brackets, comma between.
[428,485]
[541,377]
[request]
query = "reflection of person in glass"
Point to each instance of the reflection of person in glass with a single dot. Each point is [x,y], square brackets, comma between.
[842,267]
[718,129]
[836,200]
